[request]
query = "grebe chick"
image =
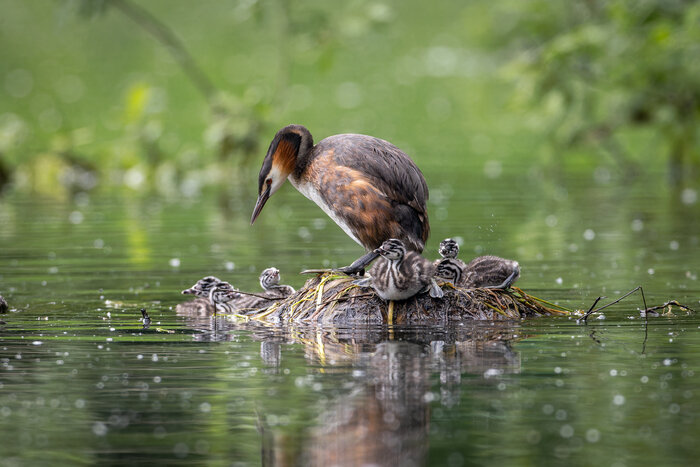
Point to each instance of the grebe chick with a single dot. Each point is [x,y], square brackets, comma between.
[270,282]
[3,305]
[449,248]
[449,268]
[202,287]
[368,186]
[223,292]
[399,274]
[491,272]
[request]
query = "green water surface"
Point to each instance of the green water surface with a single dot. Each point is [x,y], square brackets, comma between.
[82,382]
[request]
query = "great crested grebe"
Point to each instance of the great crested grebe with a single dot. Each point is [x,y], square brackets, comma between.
[400,274]
[491,272]
[368,186]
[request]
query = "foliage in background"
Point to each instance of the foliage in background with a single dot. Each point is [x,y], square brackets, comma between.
[176,95]
[598,70]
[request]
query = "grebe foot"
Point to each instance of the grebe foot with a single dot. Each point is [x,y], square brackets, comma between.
[317,271]
[351,271]
[366,282]
[506,283]
[435,290]
[357,268]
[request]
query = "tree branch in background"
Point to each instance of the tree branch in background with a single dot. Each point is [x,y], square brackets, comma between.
[170,41]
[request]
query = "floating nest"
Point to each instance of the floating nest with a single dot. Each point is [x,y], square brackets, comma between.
[333,299]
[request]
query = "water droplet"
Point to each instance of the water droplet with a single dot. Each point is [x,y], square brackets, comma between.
[76,217]
[99,428]
[566,431]
[637,225]
[181,450]
[551,220]
[689,196]
[619,399]
[592,435]
[493,169]
[589,234]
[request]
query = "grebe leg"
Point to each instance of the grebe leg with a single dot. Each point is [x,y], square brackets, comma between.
[506,283]
[357,268]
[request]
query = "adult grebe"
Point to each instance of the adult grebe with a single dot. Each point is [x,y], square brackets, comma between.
[368,186]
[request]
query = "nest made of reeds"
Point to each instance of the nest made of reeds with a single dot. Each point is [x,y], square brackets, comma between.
[331,298]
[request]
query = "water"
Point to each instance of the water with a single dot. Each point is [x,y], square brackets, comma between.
[81,380]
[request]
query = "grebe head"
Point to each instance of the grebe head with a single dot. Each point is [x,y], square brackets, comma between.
[448,248]
[270,277]
[202,287]
[392,249]
[222,292]
[281,159]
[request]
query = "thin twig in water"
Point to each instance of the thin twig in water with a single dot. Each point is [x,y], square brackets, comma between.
[584,318]
[670,302]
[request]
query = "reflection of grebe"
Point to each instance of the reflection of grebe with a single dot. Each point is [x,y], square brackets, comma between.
[368,186]
[383,416]
[400,274]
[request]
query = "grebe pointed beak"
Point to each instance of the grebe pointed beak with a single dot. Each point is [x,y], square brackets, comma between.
[262,199]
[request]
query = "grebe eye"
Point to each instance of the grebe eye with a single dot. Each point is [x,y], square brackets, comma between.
[268,181]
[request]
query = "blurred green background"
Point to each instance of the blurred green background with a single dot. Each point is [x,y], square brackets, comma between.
[175,95]
[563,134]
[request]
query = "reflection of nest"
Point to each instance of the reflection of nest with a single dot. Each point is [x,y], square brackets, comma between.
[333,299]
[382,416]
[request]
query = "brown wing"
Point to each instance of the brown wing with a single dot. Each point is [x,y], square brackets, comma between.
[385,180]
